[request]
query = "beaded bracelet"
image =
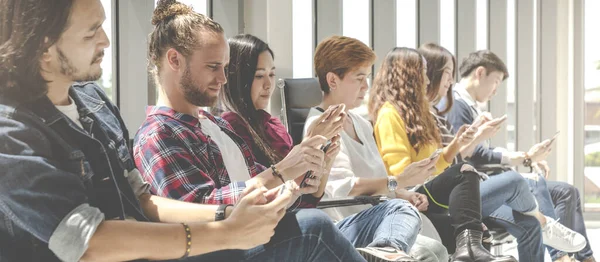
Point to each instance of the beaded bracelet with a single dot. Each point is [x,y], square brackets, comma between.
[188,240]
[277,174]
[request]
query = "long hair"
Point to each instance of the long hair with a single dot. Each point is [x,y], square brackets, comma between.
[244,52]
[437,57]
[27,29]
[400,81]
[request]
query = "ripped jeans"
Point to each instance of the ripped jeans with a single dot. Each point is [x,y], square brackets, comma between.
[455,193]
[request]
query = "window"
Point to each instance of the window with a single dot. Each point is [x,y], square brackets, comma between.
[356,20]
[106,81]
[302,38]
[406,23]
[356,23]
[592,106]
[448,25]
[511,81]
[200,6]
[481,16]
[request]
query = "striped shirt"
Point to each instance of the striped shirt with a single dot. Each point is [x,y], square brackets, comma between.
[446,131]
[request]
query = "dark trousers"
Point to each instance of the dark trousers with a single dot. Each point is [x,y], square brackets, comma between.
[459,191]
[567,206]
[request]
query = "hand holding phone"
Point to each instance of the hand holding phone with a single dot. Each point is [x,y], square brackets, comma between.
[498,121]
[309,174]
[435,154]
[328,124]
[282,189]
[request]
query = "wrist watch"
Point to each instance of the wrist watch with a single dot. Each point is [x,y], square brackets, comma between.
[392,184]
[527,161]
[220,214]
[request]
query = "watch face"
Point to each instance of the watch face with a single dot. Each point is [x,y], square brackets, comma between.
[392,184]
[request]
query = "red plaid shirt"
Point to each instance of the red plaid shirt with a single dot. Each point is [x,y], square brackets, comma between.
[181,162]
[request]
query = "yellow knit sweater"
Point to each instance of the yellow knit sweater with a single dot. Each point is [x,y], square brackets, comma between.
[394,146]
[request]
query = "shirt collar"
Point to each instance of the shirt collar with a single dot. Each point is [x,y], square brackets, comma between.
[185,118]
[171,113]
[462,93]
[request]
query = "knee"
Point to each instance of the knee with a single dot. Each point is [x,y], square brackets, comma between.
[573,192]
[466,172]
[401,206]
[516,179]
[567,191]
[312,220]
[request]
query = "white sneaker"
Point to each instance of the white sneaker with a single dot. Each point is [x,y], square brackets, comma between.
[562,238]
[384,254]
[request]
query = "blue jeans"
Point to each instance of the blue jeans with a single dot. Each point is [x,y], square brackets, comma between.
[394,223]
[504,198]
[302,235]
[567,206]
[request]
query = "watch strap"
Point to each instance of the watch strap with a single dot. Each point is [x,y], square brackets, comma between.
[220,213]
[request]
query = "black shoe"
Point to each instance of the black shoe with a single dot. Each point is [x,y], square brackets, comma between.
[469,249]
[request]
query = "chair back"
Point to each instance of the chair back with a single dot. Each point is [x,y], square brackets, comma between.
[297,97]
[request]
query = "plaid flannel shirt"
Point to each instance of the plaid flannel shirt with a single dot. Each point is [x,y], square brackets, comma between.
[179,161]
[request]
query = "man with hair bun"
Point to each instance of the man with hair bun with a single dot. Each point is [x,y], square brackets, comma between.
[69,190]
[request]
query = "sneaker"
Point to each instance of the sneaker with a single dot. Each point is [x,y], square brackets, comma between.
[562,238]
[384,254]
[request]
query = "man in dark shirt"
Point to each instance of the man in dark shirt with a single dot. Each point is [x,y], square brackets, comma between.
[481,73]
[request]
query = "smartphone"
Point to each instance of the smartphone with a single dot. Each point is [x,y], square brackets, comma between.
[478,122]
[553,138]
[283,188]
[338,116]
[308,174]
[435,154]
[499,120]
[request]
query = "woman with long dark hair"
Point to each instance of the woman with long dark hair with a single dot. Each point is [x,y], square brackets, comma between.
[251,82]
[406,132]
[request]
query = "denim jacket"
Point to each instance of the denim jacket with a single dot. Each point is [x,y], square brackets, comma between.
[49,166]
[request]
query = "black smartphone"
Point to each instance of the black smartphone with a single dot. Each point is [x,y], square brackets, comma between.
[308,174]
[282,189]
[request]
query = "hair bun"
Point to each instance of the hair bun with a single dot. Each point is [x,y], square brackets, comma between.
[167,9]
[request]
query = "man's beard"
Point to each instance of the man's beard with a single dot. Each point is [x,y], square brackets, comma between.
[68,69]
[192,93]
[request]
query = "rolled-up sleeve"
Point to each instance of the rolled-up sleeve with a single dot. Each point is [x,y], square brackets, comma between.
[71,238]
[137,183]
[35,194]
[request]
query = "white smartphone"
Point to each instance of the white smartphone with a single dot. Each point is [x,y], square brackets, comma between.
[477,122]
[499,120]
[553,138]
[435,154]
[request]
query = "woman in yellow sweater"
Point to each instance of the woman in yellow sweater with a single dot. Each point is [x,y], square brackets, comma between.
[406,132]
